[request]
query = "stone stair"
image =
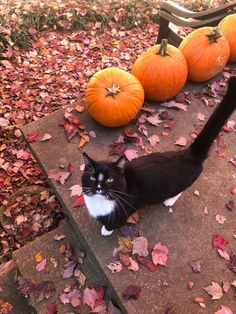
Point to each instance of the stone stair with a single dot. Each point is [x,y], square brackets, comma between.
[9,295]
[186,231]
[52,249]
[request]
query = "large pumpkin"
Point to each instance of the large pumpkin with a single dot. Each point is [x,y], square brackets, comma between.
[228,28]
[113,97]
[206,52]
[162,70]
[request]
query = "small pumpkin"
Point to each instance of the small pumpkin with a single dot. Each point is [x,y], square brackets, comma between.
[228,28]
[113,97]
[206,52]
[162,70]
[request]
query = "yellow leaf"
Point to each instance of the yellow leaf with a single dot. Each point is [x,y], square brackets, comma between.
[82,142]
[38,257]
[125,244]
[62,249]
[2,147]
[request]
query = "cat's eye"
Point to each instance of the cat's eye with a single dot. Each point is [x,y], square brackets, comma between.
[109,180]
[92,178]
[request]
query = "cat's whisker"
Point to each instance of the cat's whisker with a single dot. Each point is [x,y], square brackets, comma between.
[122,193]
[116,197]
[123,199]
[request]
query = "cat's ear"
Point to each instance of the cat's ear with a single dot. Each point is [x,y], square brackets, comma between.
[88,161]
[120,163]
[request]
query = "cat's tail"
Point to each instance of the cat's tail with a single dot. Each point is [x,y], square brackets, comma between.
[199,148]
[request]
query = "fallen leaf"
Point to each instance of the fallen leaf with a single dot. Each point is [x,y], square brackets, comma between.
[81,278]
[200,116]
[160,254]
[76,190]
[223,254]
[196,266]
[140,246]
[190,285]
[125,244]
[219,241]
[46,137]
[78,201]
[132,292]
[4,122]
[214,290]
[226,286]
[37,291]
[175,105]
[233,161]
[136,216]
[32,137]
[51,308]
[153,140]
[124,259]
[233,283]
[133,265]
[41,265]
[111,309]
[115,267]
[62,249]
[59,237]
[89,297]
[131,154]
[59,175]
[220,219]
[232,262]
[181,141]
[38,257]
[224,310]
[230,205]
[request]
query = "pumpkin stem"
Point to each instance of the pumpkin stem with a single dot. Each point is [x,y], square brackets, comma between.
[214,35]
[163,48]
[113,90]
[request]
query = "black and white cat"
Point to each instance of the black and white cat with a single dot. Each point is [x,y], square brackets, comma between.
[114,190]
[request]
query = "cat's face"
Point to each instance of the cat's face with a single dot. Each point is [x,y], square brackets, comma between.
[103,178]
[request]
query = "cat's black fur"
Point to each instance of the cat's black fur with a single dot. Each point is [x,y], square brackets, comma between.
[158,176]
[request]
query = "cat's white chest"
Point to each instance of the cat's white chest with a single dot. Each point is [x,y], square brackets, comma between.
[98,205]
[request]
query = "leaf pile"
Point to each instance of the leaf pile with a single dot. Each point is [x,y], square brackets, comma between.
[30,213]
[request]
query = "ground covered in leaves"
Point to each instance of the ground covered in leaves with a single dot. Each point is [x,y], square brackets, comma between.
[53,73]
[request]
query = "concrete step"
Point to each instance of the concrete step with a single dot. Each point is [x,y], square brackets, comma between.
[46,247]
[186,231]
[10,299]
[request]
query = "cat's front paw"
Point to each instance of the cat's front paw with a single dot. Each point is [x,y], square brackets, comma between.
[105,232]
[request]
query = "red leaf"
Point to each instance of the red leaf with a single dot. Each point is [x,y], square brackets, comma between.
[51,308]
[132,292]
[32,137]
[71,167]
[219,241]
[32,30]
[150,265]
[25,232]
[78,201]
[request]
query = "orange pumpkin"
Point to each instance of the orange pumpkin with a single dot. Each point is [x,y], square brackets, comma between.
[206,52]
[228,28]
[162,70]
[113,97]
